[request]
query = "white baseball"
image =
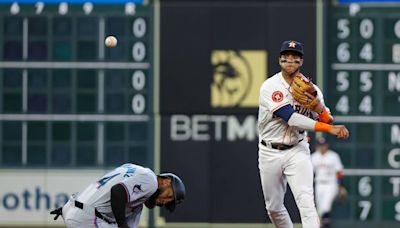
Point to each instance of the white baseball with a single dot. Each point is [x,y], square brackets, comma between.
[111,41]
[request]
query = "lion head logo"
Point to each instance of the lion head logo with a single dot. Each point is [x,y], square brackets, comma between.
[232,78]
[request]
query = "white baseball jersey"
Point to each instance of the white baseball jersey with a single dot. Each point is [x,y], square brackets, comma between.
[139,182]
[275,93]
[326,166]
[279,167]
[326,187]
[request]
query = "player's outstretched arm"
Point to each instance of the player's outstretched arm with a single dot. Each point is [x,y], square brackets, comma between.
[340,131]
[288,114]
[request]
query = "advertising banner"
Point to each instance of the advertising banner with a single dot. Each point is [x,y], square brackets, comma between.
[214,58]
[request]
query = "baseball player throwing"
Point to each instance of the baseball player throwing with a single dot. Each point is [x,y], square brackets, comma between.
[287,101]
[116,199]
[328,170]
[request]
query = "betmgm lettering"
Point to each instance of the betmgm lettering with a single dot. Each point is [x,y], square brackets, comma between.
[32,200]
[213,127]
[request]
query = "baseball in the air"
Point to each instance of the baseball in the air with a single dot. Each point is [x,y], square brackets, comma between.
[111,41]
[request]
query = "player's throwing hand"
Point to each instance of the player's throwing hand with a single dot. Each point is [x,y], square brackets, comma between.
[340,131]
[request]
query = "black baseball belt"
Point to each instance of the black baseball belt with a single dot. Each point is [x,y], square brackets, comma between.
[96,212]
[280,146]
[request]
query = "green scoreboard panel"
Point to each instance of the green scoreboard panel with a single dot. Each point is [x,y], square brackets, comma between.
[67,100]
[363,91]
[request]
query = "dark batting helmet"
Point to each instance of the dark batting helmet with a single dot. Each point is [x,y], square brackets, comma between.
[179,190]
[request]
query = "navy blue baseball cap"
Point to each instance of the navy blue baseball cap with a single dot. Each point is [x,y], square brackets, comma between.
[291,45]
[321,141]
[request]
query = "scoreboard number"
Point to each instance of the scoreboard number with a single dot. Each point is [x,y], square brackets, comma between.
[366,52]
[362,86]
[343,52]
[365,209]
[366,81]
[39,7]
[88,8]
[138,104]
[130,8]
[342,81]
[366,28]
[138,51]
[396,53]
[70,82]
[139,27]
[366,105]
[364,186]
[63,8]
[343,28]
[342,105]
[14,9]
[397,208]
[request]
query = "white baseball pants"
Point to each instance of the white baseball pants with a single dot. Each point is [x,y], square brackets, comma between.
[293,166]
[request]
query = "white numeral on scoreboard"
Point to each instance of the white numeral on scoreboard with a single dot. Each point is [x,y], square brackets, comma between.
[343,27]
[39,7]
[365,208]
[397,29]
[14,9]
[366,28]
[343,105]
[138,51]
[130,8]
[364,186]
[138,80]
[397,209]
[366,52]
[88,8]
[366,81]
[366,105]
[342,79]
[63,8]
[396,53]
[138,104]
[343,53]
[139,27]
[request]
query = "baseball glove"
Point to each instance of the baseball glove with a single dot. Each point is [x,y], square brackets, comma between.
[341,195]
[304,92]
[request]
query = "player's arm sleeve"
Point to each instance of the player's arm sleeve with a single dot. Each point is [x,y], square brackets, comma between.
[281,108]
[325,116]
[308,124]
[118,204]
[133,220]
[295,119]
[285,112]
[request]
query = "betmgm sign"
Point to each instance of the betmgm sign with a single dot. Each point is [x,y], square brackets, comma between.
[237,77]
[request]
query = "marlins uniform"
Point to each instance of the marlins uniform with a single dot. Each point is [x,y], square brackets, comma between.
[327,166]
[139,182]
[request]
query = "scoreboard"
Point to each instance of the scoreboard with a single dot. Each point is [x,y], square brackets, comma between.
[66,100]
[363,91]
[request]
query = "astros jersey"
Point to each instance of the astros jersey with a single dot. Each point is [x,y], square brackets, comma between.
[275,93]
[139,182]
[326,166]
